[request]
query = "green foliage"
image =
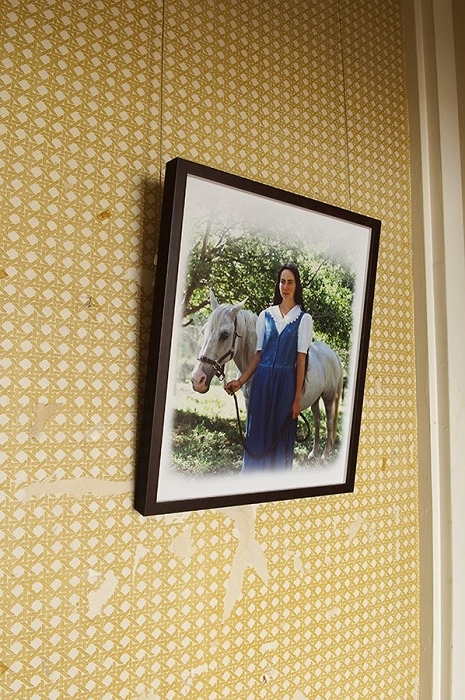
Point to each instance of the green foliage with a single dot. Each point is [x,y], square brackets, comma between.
[238,264]
[328,296]
[205,445]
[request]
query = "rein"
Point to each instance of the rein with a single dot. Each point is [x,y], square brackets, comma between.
[277,436]
[218,369]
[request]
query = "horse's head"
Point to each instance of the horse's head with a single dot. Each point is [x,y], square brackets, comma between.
[220,335]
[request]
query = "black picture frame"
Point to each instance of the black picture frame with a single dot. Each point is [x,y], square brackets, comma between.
[191,190]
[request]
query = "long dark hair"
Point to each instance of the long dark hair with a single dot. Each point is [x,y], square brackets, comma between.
[298,296]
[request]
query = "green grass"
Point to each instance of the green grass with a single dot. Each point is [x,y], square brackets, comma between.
[206,437]
[205,445]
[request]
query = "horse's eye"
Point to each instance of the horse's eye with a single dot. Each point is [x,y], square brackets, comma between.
[224,335]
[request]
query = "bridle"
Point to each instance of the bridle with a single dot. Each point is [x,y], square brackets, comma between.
[218,365]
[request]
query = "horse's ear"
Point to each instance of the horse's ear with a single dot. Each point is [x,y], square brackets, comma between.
[239,306]
[213,301]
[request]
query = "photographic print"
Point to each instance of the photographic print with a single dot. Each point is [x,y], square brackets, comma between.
[259,340]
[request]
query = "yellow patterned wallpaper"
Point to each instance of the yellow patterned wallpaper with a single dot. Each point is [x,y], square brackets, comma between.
[305,600]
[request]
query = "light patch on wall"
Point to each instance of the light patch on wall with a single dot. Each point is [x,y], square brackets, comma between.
[148,695]
[175,518]
[182,547]
[249,553]
[189,677]
[96,432]
[299,567]
[43,412]
[360,524]
[270,674]
[333,612]
[354,528]
[141,551]
[74,487]
[98,598]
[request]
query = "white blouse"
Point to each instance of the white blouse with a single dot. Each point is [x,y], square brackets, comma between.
[304,334]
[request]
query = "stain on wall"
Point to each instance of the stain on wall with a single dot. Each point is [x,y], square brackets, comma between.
[312,599]
[249,553]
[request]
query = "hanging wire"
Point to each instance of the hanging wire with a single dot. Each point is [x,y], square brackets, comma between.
[344,97]
[162,87]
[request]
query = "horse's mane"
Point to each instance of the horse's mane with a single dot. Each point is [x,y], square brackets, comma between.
[223,309]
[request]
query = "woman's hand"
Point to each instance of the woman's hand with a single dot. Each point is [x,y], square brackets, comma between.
[231,387]
[295,410]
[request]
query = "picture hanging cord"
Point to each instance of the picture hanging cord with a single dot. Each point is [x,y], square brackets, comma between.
[344,94]
[344,97]
[161,93]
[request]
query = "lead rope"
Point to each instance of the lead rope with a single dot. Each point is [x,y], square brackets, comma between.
[277,437]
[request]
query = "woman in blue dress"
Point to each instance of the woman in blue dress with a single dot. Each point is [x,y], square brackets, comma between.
[284,334]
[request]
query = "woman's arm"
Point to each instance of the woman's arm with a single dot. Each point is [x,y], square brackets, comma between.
[235,385]
[299,383]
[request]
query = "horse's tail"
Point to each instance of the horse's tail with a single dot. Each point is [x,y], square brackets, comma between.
[337,400]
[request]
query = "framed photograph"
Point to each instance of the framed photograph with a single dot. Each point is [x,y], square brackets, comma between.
[259,340]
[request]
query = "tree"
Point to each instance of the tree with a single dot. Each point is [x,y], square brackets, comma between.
[242,264]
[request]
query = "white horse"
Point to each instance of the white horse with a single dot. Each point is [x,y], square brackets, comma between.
[229,334]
